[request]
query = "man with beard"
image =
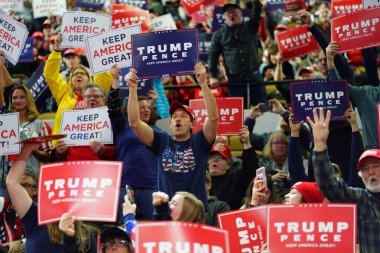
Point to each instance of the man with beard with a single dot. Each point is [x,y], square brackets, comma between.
[183,156]
[367,200]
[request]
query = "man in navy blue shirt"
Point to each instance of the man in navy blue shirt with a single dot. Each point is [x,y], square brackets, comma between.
[183,156]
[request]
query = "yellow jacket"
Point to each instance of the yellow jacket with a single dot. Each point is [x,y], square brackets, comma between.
[62,91]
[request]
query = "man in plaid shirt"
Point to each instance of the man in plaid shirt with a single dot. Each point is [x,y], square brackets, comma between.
[368,200]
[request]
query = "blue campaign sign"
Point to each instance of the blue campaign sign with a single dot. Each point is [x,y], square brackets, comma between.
[330,95]
[165,53]
[94,4]
[38,86]
[143,86]
[142,4]
[27,52]
[218,19]
[273,5]
[204,45]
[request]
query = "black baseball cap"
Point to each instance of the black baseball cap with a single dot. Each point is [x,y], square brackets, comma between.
[230,5]
[113,232]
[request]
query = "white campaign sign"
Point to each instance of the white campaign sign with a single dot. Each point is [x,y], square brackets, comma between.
[115,47]
[83,126]
[77,25]
[12,37]
[370,3]
[9,133]
[163,22]
[15,5]
[42,8]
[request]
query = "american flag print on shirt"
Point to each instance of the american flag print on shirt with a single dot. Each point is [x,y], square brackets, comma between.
[178,161]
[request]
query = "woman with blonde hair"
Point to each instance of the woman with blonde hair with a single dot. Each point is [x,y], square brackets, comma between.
[275,160]
[69,94]
[21,100]
[65,236]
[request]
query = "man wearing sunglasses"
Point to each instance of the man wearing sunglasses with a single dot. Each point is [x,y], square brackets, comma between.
[116,240]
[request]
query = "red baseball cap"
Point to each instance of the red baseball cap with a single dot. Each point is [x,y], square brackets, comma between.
[309,191]
[70,51]
[176,105]
[38,34]
[281,28]
[223,149]
[46,23]
[366,154]
[308,70]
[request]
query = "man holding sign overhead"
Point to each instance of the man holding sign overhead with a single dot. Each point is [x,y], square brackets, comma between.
[183,157]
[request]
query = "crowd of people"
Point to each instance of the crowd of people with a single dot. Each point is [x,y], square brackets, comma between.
[193,176]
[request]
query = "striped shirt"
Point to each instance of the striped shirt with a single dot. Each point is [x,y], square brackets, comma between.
[368,204]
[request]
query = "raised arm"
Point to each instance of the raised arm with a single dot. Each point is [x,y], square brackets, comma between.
[143,130]
[20,198]
[357,148]
[210,126]
[254,22]
[296,168]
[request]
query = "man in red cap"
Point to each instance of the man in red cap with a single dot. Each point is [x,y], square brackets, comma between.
[367,200]
[230,184]
[182,157]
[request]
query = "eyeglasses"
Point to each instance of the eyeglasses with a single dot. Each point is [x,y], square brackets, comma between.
[96,96]
[27,185]
[216,155]
[117,243]
[279,143]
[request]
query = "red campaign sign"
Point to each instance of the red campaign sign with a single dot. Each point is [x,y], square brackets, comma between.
[87,189]
[192,6]
[246,228]
[356,31]
[344,7]
[231,114]
[126,18]
[312,228]
[173,236]
[296,42]
[116,8]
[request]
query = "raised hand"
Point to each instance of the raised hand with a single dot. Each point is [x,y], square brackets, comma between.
[159,198]
[320,127]
[200,73]
[132,78]
[66,224]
